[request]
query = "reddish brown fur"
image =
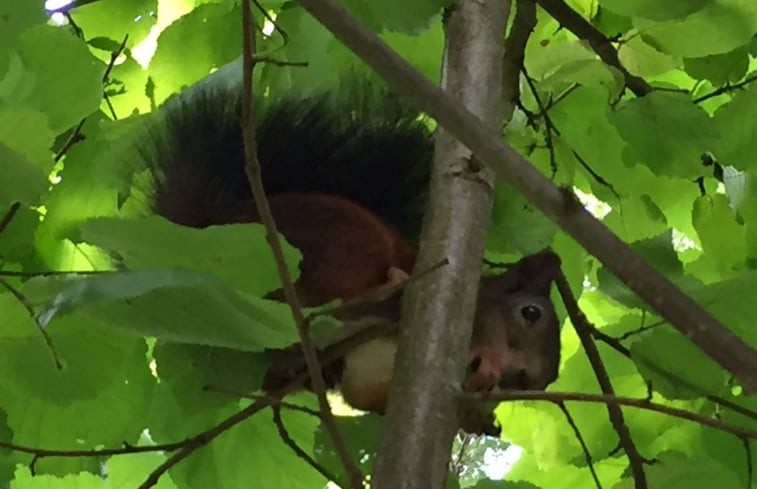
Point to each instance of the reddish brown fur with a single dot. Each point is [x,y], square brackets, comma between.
[347,250]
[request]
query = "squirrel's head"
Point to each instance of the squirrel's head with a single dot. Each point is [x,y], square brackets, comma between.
[516,333]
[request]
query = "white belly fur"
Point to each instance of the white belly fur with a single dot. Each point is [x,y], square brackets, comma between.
[368,373]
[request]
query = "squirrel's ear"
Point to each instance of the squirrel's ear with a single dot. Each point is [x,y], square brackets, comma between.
[537,272]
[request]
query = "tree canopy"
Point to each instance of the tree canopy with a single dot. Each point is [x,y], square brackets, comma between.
[645,109]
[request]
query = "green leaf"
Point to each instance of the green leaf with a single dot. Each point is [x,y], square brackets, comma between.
[25,480]
[719,69]
[675,471]
[239,253]
[723,239]
[585,72]
[117,19]
[96,176]
[735,123]
[658,355]
[132,470]
[409,16]
[27,133]
[516,226]
[731,303]
[666,131]
[253,451]
[178,305]
[642,59]
[22,182]
[98,398]
[47,52]
[14,241]
[659,253]
[718,27]
[15,17]
[361,435]
[636,218]
[209,36]
[652,9]
[190,370]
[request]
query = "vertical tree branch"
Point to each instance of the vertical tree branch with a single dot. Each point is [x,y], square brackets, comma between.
[254,175]
[438,310]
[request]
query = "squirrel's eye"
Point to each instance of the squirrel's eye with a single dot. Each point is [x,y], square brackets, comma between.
[531,313]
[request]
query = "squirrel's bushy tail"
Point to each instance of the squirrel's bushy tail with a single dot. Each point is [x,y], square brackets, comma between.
[364,146]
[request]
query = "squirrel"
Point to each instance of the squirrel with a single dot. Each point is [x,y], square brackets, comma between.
[346,177]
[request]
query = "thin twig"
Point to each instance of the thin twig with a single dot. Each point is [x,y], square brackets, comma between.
[552,128]
[73,138]
[253,170]
[274,401]
[587,453]
[548,122]
[278,62]
[78,32]
[524,23]
[21,298]
[641,329]
[380,294]
[583,329]
[749,466]
[263,56]
[644,404]
[113,57]
[561,96]
[105,452]
[288,441]
[8,217]
[726,89]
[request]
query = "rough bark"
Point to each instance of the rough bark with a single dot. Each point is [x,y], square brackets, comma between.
[438,311]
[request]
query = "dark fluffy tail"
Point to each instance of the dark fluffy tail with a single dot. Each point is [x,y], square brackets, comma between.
[364,146]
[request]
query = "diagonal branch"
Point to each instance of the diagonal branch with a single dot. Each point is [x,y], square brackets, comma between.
[302,454]
[254,172]
[584,330]
[587,453]
[572,20]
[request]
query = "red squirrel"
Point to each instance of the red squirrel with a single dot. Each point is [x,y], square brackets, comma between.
[346,179]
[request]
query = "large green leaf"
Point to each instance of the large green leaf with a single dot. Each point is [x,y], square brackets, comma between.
[238,253]
[666,131]
[652,9]
[177,305]
[718,27]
